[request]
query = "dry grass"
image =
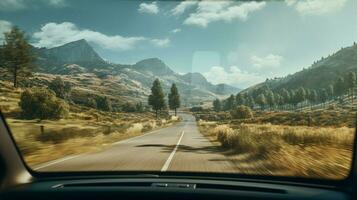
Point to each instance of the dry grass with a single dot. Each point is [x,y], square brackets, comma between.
[285,150]
[68,137]
[85,130]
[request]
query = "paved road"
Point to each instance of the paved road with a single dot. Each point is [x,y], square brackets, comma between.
[176,148]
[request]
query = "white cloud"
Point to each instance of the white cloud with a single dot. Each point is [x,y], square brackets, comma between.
[177,30]
[269,61]
[5,26]
[209,11]
[53,34]
[316,7]
[161,42]
[233,76]
[150,8]
[182,7]
[13,5]
[57,3]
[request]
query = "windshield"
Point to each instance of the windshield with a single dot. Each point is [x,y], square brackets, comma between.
[238,87]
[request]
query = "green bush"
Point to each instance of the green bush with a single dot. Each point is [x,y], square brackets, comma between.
[43,104]
[61,88]
[103,103]
[92,103]
[242,112]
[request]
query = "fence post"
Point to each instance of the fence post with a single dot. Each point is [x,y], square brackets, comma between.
[42,127]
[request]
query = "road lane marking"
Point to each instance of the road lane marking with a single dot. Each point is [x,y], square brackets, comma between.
[136,137]
[56,161]
[122,141]
[169,159]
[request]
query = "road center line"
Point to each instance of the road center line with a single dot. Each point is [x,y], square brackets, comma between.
[56,161]
[169,159]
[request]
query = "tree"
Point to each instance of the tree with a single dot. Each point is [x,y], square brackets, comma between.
[261,101]
[330,91]
[351,83]
[270,99]
[240,100]
[43,104]
[174,98]
[286,96]
[157,97]
[61,88]
[217,106]
[241,112]
[300,96]
[339,86]
[103,103]
[139,107]
[17,56]
[324,96]
[229,103]
[249,101]
[312,97]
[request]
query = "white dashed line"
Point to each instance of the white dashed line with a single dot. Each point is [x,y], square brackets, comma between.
[169,159]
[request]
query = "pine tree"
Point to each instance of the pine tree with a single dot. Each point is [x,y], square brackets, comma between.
[286,96]
[300,96]
[230,103]
[312,98]
[157,97]
[351,83]
[17,56]
[270,99]
[249,102]
[339,86]
[217,106]
[324,96]
[330,91]
[174,98]
[240,100]
[261,100]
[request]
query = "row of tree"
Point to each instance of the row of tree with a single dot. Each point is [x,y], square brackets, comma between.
[284,99]
[157,98]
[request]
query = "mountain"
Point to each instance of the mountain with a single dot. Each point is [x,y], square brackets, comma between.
[77,61]
[77,52]
[319,75]
[199,80]
[154,66]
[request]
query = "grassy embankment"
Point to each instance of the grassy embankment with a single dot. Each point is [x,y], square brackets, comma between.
[84,130]
[286,150]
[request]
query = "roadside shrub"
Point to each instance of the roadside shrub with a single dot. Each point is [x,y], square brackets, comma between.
[43,104]
[61,88]
[129,107]
[242,112]
[196,109]
[103,103]
[92,103]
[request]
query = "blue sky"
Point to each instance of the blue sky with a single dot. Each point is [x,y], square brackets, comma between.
[239,43]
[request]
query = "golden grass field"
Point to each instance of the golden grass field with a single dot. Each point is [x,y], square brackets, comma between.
[84,130]
[297,151]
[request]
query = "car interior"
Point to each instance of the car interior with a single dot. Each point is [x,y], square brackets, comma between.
[170,99]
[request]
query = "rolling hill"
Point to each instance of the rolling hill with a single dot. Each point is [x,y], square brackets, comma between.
[319,75]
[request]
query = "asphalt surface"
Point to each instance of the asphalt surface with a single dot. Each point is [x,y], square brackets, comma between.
[180,147]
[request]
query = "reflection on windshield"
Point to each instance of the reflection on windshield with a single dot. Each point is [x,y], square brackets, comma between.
[186,87]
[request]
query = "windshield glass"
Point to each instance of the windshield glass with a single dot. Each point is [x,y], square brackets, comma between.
[240,87]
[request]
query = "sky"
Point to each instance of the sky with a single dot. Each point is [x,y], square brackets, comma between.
[233,42]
